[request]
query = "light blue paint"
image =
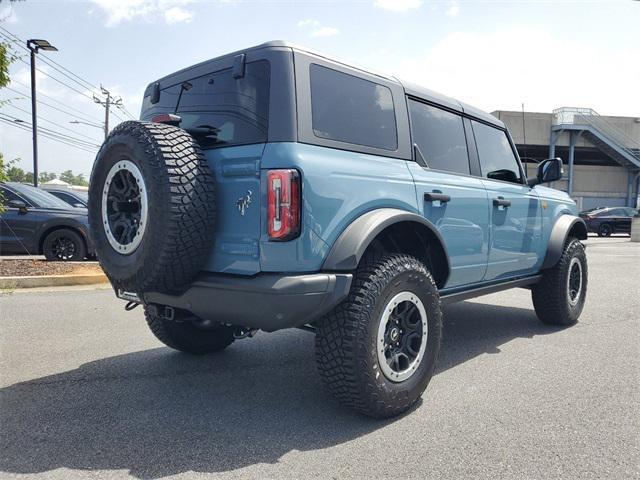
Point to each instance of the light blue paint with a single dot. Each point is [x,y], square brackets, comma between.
[485,243]
[463,222]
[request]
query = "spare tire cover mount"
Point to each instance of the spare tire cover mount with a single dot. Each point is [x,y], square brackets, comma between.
[124,207]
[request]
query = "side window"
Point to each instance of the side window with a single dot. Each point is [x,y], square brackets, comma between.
[65,196]
[7,195]
[497,160]
[350,109]
[440,136]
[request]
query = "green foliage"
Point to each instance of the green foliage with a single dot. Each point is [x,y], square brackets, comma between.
[5,60]
[13,173]
[69,177]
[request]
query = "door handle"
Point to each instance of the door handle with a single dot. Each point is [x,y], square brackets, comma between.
[436,197]
[501,202]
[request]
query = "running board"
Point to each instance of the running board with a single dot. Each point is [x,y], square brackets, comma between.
[487,289]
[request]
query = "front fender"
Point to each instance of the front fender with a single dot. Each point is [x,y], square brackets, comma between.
[565,225]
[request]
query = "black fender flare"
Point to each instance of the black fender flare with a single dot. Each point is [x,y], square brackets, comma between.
[348,249]
[565,225]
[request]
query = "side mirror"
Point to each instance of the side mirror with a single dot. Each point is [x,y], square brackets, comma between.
[19,204]
[549,170]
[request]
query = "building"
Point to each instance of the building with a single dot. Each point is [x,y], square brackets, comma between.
[601,154]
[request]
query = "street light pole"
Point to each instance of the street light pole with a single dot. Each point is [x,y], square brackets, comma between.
[34,47]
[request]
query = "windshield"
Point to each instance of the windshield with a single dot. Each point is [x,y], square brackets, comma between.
[237,109]
[39,198]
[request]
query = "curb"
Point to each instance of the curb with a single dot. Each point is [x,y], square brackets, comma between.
[36,281]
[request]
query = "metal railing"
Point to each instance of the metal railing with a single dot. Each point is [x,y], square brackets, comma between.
[591,118]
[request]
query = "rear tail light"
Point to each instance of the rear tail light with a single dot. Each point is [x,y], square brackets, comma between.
[283,204]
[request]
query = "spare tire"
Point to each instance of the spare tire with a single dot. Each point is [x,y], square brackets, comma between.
[151,207]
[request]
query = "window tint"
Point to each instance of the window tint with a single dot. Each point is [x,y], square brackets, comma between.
[39,198]
[616,212]
[236,108]
[66,197]
[440,136]
[497,160]
[349,109]
[7,195]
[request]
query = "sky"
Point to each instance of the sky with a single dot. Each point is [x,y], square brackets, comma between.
[495,55]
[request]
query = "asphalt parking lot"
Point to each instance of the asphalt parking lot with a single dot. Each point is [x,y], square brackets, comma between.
[87,392]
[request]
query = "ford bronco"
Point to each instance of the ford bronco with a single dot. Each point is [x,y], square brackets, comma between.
[275,187]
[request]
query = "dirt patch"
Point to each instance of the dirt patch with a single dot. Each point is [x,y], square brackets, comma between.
[24,268]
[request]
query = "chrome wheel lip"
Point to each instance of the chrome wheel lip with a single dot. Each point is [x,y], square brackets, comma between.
[574,299]
[129,248]
[385,368]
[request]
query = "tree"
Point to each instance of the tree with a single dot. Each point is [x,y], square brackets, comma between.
[46,177]
[69,177]
[15,174]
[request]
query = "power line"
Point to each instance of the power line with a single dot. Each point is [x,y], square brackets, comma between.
[65,136]
[20,42]
[52,64]
[54,123]
[46,135]
[71,114]
[57,80]
[92,118]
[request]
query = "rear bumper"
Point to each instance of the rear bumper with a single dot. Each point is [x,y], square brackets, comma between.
[266,301]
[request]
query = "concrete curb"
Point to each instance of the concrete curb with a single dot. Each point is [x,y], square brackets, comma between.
[37,281]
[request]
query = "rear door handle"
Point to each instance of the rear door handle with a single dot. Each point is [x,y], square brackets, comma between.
[436,197]
[501,202]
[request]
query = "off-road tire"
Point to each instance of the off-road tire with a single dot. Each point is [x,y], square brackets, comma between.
[550,296]
[67,235]
[605,230]
[346,338]
[185,335]
[180,190]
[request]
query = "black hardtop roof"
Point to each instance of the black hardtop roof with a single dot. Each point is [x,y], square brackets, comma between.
[410,88]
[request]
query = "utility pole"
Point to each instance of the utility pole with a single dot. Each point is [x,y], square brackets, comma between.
[107,103]
[34,46]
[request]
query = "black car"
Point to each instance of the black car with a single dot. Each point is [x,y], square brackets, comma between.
[72,197]
[35,222]
[605,221]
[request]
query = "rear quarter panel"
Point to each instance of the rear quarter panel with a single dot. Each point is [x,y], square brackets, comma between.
[337,187]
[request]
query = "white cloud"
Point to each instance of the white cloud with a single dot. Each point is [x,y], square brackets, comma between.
[453,10]
[118,11]
[8,14]
[308,22]
[316,29]
[493,71]
[398,5]
[324,32]
[177,15]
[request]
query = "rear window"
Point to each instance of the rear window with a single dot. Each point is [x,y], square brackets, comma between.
[352,110]
[237,108]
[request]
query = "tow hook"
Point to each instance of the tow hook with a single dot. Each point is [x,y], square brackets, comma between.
[242,332]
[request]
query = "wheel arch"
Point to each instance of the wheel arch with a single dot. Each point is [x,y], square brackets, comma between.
[566,226]
[390,230]
[49,230]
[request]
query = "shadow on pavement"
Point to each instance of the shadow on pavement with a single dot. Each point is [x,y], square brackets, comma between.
[156,413]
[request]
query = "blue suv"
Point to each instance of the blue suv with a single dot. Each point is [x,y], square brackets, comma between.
[275,187]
